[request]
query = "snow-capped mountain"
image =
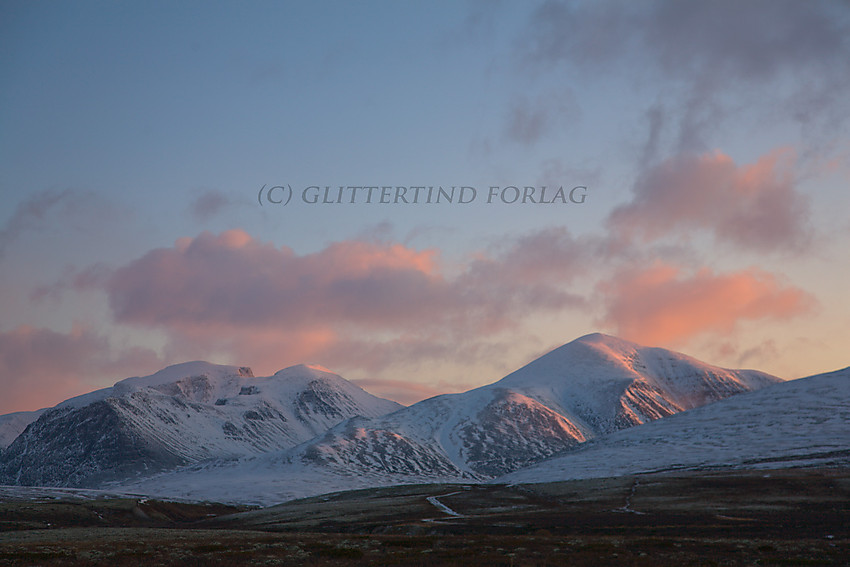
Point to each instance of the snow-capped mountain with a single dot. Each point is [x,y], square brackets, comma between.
[592,386]
[181,415]
[804,422]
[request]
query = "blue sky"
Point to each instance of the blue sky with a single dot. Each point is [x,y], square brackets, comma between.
[711,138]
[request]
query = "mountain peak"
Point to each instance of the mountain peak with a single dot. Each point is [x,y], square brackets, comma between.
[798,423]
[597,337]
[609,341]
[304,371]
[177,372]
[184,414]
[611,383]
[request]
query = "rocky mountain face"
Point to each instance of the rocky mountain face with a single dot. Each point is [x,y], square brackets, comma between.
[184,414]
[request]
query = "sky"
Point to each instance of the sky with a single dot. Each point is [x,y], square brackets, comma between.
[259,184]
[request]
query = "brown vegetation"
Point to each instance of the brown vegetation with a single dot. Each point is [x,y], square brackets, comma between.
[789,517]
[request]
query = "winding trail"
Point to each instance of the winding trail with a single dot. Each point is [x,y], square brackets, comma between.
[442,507]
[627,507]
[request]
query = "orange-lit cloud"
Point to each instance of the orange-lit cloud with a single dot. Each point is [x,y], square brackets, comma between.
[659,305]
[231,279]
[234,281]
[354,305]
[41,367]
[753,206]
[368,309]
[351,304]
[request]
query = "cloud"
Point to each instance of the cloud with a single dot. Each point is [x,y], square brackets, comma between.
[408,393]
[378,310]
[655,117]
[584,34]
[708,43]
[544,255]
[93,276]
[41,367]
[751,42]
[208,204]
[368,304]
[759,354]
[754,206]
[714,59]
[528,121]
[31,214]
[660,305]
[233,280]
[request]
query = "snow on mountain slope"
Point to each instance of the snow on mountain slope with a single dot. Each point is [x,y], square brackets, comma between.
[13,424]
[609,384]
[183,414]
[803,422]
[590,387]
[262,481]
[594,385]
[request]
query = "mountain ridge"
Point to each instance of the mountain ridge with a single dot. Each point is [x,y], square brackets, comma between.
[540,410]
[183,414]
[802,422]
[591,389]
[591,386]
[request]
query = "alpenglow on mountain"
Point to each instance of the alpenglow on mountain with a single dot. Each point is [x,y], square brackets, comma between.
[591,387]
[800,423]
[181,415]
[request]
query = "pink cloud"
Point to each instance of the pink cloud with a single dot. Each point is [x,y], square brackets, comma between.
[754,206]
[544,256]
[233,280]
[659,305]
[352,304]
[41,367]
